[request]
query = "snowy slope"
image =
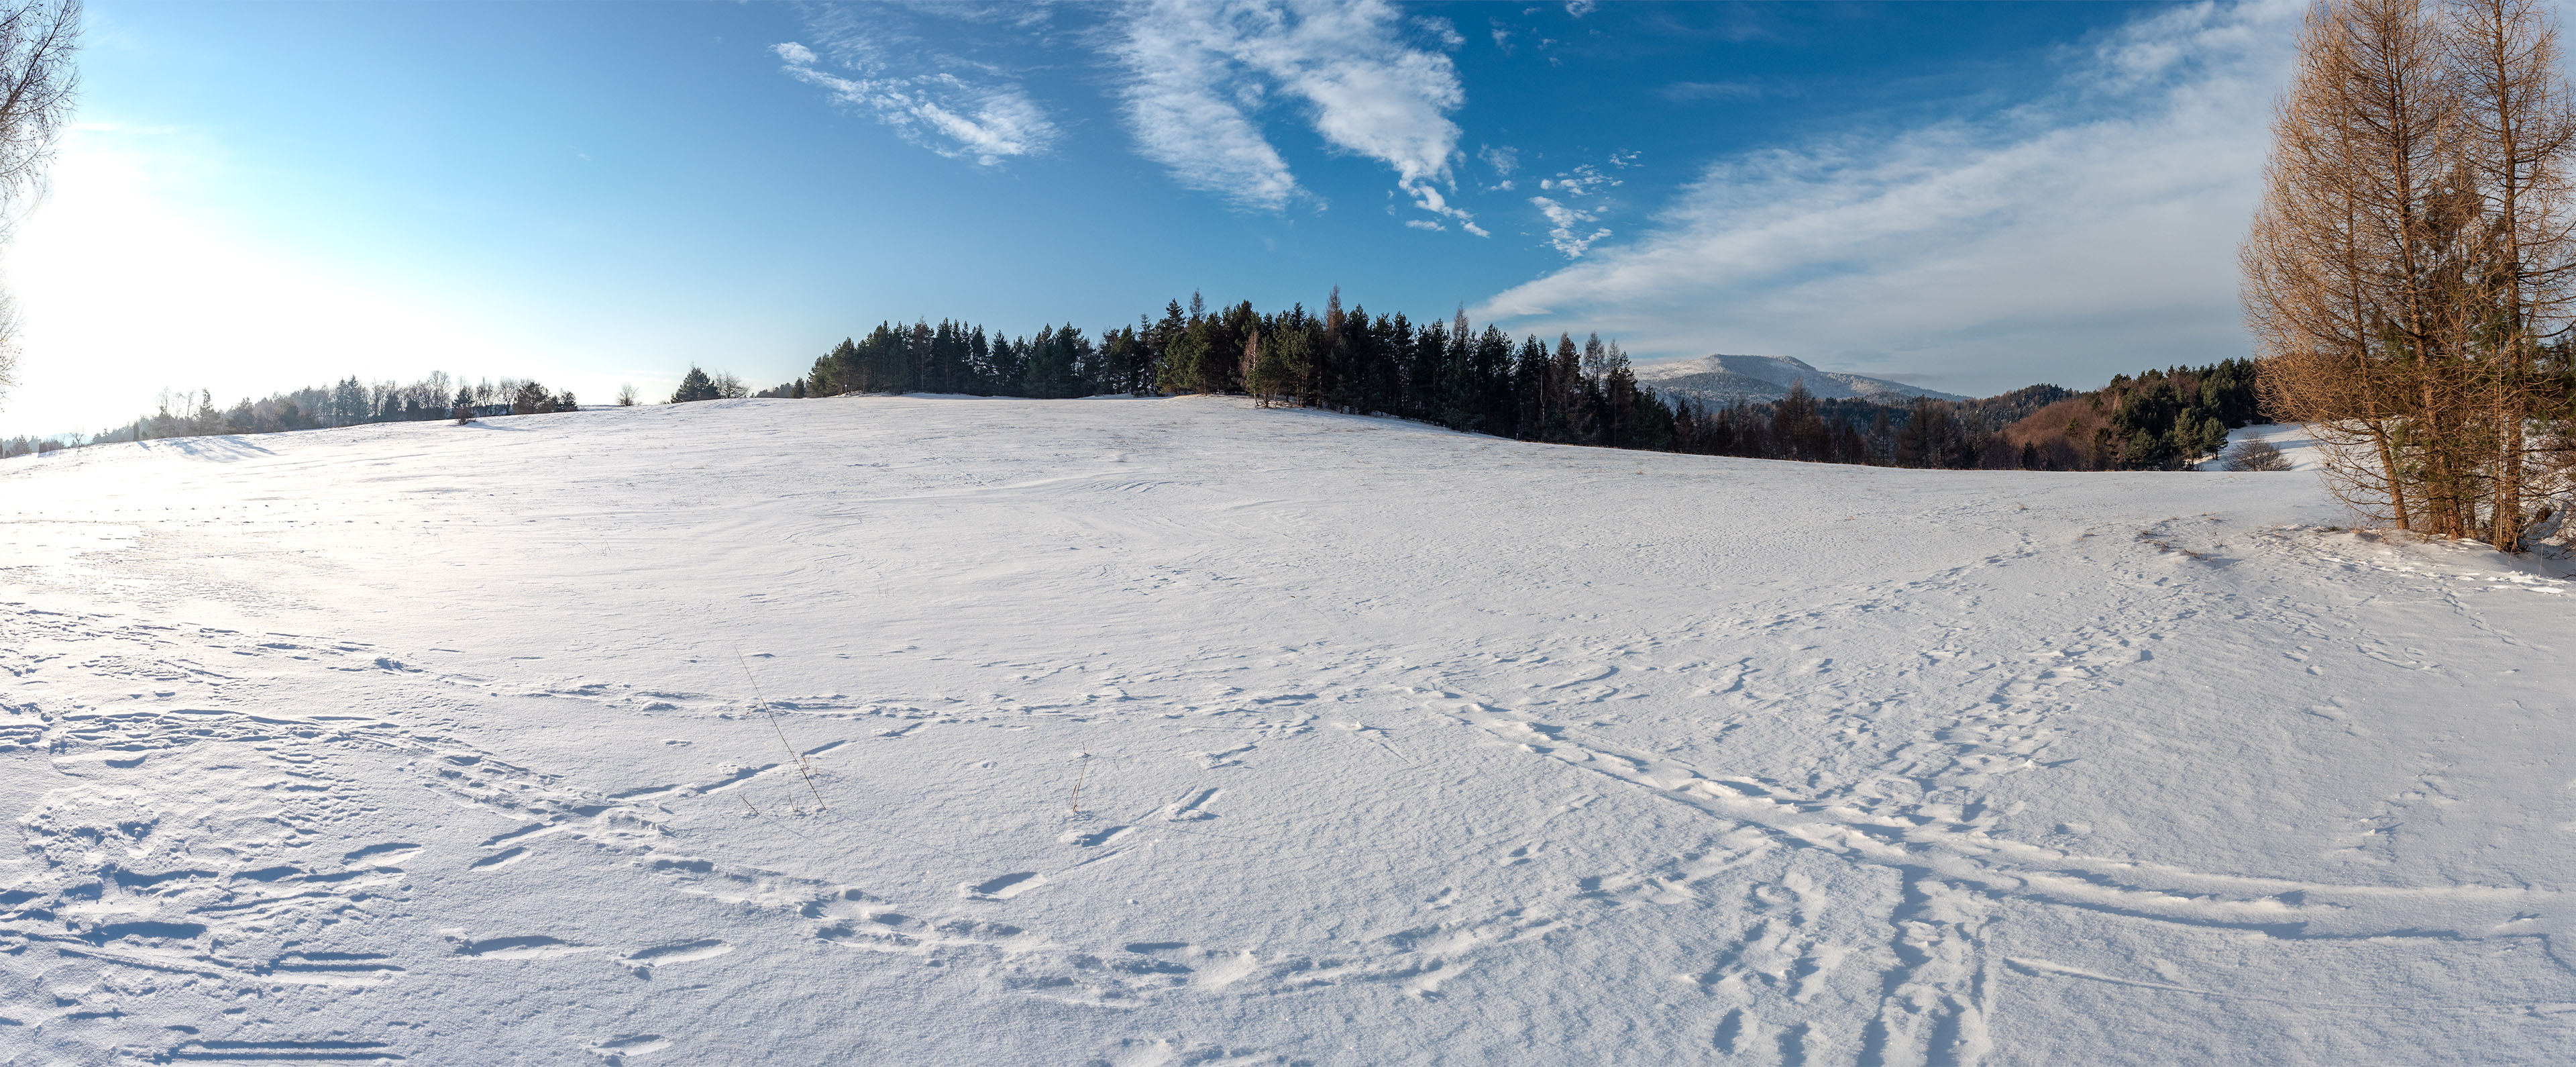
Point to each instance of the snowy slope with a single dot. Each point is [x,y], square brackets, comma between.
[1390,745]
[2294,442]
[1722,379]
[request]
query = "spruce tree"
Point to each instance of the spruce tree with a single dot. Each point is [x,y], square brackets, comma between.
[695,386]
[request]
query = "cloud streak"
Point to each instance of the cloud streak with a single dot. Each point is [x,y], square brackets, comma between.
[1199,74]
[1189,109]
[956,108]
[2089,231]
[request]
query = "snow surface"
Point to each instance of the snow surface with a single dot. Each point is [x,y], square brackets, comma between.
[1723,379]
[1390,745]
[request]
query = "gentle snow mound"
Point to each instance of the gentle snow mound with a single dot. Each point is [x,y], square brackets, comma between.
[899,730]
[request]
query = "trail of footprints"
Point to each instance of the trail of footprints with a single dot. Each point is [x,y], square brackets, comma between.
[186,852]
[164,868]
[1787,955]
[1909,827]
[1916,818]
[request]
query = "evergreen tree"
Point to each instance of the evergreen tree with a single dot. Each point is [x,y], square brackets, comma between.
[695,386]
[531,399]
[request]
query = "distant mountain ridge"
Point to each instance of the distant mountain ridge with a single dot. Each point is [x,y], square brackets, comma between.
[1723,379]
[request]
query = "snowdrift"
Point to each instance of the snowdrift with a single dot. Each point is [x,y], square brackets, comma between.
[992,732]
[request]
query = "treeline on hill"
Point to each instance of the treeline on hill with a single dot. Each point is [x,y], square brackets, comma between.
[1483,381]
[1443,372]
[348,402]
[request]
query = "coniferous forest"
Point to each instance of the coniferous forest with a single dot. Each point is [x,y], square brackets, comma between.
[1445,372]
[1572,392]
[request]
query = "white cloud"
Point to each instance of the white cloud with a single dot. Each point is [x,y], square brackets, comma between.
[1504,161]
[2090,232]
[1197,72]
[1424,224]
[1562,221]
[1186,106]
[1566,222]
[1584,180]
[956,108]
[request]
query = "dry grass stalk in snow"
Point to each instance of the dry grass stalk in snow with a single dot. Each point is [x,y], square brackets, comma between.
[804,764]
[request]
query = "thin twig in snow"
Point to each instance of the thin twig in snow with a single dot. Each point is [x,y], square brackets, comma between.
[803,766]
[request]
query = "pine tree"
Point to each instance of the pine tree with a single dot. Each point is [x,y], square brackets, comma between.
[695,386]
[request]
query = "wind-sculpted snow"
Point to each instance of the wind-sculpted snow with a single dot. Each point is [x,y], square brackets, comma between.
[1132,732]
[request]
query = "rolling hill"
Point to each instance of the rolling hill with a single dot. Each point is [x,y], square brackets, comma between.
[904,730]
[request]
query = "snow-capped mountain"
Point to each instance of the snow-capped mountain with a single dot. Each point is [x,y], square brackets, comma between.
[1721,379]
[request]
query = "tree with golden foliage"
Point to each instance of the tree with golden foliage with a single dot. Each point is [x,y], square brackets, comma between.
[2408,275]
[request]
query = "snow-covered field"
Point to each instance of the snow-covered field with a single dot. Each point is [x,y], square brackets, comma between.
[2296,445]
[1389,745]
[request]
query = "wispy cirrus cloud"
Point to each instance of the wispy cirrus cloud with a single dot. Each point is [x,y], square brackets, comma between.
[1200,74]
[1190,109]
[2089,230]
[952,106]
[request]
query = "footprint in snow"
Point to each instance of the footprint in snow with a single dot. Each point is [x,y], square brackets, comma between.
[534,947]
[1192,807]
[643,960]
[1003,887]
[499,859]
[616,1049]
[1094,838]
[388,852]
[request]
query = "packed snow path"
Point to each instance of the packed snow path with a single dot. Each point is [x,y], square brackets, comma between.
[1388,745]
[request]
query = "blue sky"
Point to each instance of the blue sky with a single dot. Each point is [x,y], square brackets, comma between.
[1972,196]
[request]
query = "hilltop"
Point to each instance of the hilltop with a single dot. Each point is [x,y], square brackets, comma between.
[1723,379]
[1174,731]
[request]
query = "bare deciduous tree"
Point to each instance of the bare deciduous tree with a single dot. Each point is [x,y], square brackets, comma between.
[37,38]
[2257,455]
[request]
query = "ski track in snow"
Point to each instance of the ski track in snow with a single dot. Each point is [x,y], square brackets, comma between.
[1796,817]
